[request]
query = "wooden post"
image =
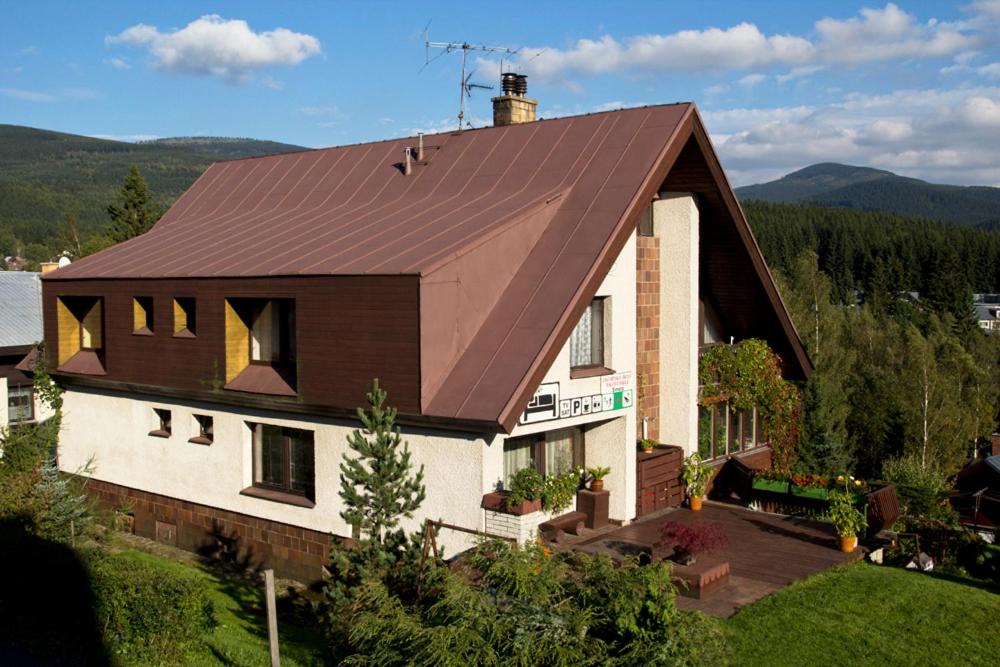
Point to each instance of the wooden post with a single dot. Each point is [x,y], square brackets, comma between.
[272,617]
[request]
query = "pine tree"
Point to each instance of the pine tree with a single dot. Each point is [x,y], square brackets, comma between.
[134,213]
[378,487]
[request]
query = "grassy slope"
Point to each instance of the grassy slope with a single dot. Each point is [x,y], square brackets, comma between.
[869,615]
[240,638]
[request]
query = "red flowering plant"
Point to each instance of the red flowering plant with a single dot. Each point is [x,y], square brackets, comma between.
[810,481]
[688,540]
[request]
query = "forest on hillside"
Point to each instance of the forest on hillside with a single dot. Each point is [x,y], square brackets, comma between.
[902,388]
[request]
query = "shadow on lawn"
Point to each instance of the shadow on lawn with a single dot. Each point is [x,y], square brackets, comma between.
[48,609]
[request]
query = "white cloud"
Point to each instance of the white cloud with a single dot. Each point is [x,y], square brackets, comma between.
[118,63]
[798,73]
[751,80]
[62,95]
[272,83]
[213,46]
[941,135]
[716,89]
[992,70]
[873,35]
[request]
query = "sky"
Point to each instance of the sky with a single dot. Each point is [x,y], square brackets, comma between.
[912,87]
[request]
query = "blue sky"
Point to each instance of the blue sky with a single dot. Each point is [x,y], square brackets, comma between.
[913,87]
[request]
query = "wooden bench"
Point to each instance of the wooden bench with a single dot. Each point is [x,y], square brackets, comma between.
[556,527]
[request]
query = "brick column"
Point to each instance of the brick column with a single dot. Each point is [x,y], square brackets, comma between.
[647,333]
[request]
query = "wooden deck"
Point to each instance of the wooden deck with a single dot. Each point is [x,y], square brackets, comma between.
[766,552]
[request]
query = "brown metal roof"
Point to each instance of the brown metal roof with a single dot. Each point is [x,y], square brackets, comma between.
[557,199]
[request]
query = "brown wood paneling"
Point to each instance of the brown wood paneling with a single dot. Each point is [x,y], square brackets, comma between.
[349,330]
[658,477]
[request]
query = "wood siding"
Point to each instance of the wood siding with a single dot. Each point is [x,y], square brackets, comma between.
[349,329]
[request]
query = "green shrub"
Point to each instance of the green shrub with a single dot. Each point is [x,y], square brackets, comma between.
[148,613]
[923,491]
[527,484]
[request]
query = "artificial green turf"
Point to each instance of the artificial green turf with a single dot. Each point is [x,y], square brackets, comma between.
[865,614]
[240,638]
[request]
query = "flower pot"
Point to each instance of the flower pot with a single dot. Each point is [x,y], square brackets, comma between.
[647,450]
[695,503]
[597,485]
[848,543]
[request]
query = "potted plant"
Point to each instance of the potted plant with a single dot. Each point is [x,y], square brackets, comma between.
[525,493]
[847,519]
[597,476]
[696,475]
[558,491]
[647,445]
[689,540]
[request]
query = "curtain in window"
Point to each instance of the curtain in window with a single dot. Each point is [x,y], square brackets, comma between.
[269,455]
[90,328]
[518,454]
[265,336]
[300,464]
[581,340]
[19,404]
[563,450]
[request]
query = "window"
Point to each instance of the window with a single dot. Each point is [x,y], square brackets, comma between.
[20,404]
[162,425]
[550,453]
[80,334]
[586,343]
[185,317]
[205,428]
[283,460]
[646,222]
[272,332]
[142,315]
[723,430]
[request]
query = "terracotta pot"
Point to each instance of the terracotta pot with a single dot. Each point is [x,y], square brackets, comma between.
[647,450]
[848,543]
[597,485]
[695,504]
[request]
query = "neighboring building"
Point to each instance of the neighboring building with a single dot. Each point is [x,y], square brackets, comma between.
[15,263]
[976,496]
[20,330]
[987,311]
[509,286]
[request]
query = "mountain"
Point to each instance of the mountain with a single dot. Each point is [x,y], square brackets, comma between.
[45,174]
[866,189]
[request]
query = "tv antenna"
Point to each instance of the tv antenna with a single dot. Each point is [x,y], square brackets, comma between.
[466,86]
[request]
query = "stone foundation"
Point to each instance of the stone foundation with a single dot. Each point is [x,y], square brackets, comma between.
[293,553]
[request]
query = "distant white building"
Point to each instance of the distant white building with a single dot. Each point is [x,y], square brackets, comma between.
[20,330]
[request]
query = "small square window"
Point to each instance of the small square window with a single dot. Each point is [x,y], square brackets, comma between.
[142,315]
[205,428]
[162,423]
[185,317]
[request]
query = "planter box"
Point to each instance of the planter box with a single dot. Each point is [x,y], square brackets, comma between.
[810,492]
[519,523]
[497,502]
[772,485]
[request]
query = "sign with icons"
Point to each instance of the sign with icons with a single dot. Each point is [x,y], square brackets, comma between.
[617,393]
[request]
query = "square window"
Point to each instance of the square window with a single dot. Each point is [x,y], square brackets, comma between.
[586,343]
[550,453]
[204,426]
[283,460]
[185,317]
[20,404]
[142,315]
[162,425]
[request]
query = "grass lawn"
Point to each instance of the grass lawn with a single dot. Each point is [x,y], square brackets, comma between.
[865,614]
[240,638]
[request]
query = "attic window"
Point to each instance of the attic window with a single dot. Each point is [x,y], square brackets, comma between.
[587,349]
[260,346]
[185,317]
[142,315]
[272,332]
[80,334]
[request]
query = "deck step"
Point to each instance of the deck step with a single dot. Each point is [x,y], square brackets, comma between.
[571,522]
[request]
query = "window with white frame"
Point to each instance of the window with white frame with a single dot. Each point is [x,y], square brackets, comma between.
[586,343]
[20,404]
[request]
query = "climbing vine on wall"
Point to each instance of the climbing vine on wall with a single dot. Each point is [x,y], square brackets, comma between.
[748,374]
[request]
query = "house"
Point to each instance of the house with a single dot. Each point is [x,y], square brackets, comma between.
[976,493]
[20,330]
[988,316]
[529,294]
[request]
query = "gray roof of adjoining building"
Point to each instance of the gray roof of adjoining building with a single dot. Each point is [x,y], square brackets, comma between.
[986,312]
[20,308]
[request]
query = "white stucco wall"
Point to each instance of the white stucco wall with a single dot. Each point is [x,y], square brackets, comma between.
[113,429]
[4,417]
[675,222]
[617,453]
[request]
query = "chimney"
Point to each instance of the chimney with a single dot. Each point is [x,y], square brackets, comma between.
[513,107]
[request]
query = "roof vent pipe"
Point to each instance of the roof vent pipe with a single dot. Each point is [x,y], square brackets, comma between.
[408,162]
[420,146]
